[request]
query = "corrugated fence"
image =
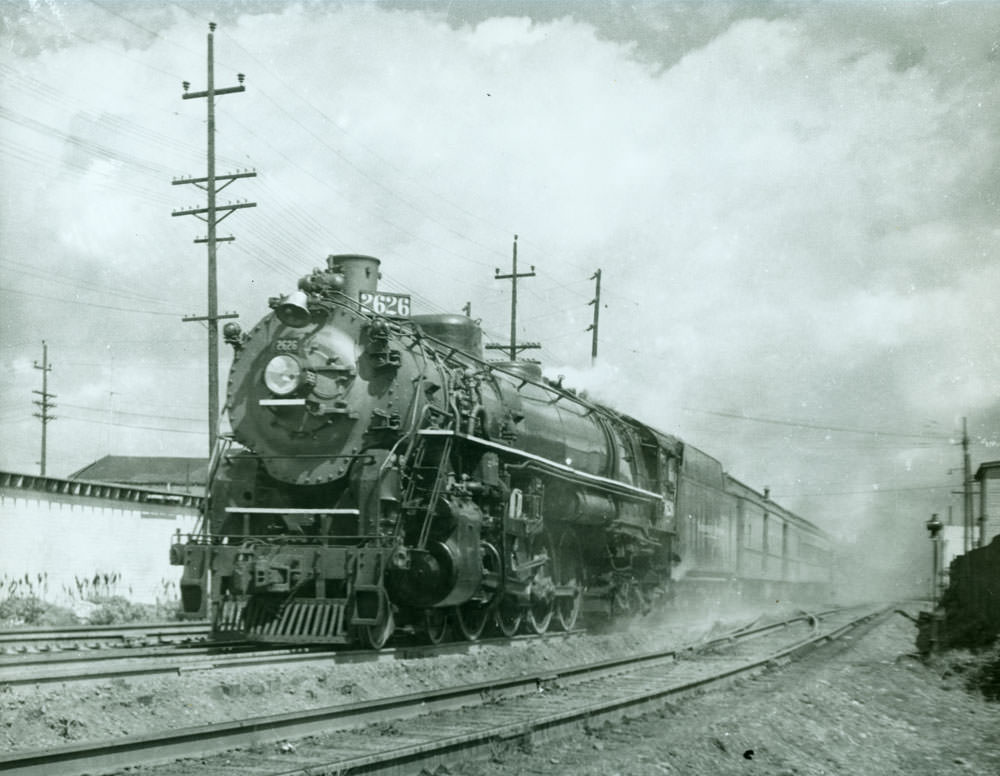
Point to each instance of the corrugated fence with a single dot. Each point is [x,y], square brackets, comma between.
[63,539]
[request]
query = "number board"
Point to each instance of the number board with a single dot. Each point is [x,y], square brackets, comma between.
[383,303]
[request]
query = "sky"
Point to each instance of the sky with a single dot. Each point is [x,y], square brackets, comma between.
[794,207]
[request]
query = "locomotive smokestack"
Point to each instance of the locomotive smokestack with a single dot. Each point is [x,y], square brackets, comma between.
[360,273]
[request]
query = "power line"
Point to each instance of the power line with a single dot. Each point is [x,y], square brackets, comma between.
[132,362]
[101,122]
[87,340]
[87,304]
[39,161]
[33,271]
[368,148]
[138,26]
[817,427]
[156,416]
[869,492]
[130,425]
[117,52]
[361,172]
[75,140]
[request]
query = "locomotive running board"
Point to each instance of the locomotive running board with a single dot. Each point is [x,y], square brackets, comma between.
[596,479]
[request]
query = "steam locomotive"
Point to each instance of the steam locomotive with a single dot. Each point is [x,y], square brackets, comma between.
[382,474]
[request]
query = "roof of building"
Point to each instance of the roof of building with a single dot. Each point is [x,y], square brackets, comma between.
[52,487]
[985,467]
[146,470]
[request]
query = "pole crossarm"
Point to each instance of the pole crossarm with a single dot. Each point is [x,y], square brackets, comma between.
[218,317]
[214,92]
[518,275]
[518,346]
[228,178]
[195,211]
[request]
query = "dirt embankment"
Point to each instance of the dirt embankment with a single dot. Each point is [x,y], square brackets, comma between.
[43,716]
[868,707]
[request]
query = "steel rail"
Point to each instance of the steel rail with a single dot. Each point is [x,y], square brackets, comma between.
[19,660]
[202,740]
[125,666]
[77,633]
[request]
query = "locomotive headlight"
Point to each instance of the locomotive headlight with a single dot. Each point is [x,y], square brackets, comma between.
[283,375]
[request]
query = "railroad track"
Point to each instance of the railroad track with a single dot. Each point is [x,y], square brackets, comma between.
[24,640]
[65,665]
[106,652]
[37,670]
[423,729]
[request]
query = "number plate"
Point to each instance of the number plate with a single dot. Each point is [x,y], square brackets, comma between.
[286,345]
[381,303]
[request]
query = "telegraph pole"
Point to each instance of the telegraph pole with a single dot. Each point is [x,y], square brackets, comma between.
[210,215]
[596,301]
[514,348]
[970,527]
[44,404]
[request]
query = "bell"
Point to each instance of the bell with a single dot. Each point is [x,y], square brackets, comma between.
[293,311]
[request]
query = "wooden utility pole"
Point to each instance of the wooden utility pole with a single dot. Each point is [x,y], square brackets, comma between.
[596,301]
[970,526]
[210,215]
[514,348]
[44,404]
